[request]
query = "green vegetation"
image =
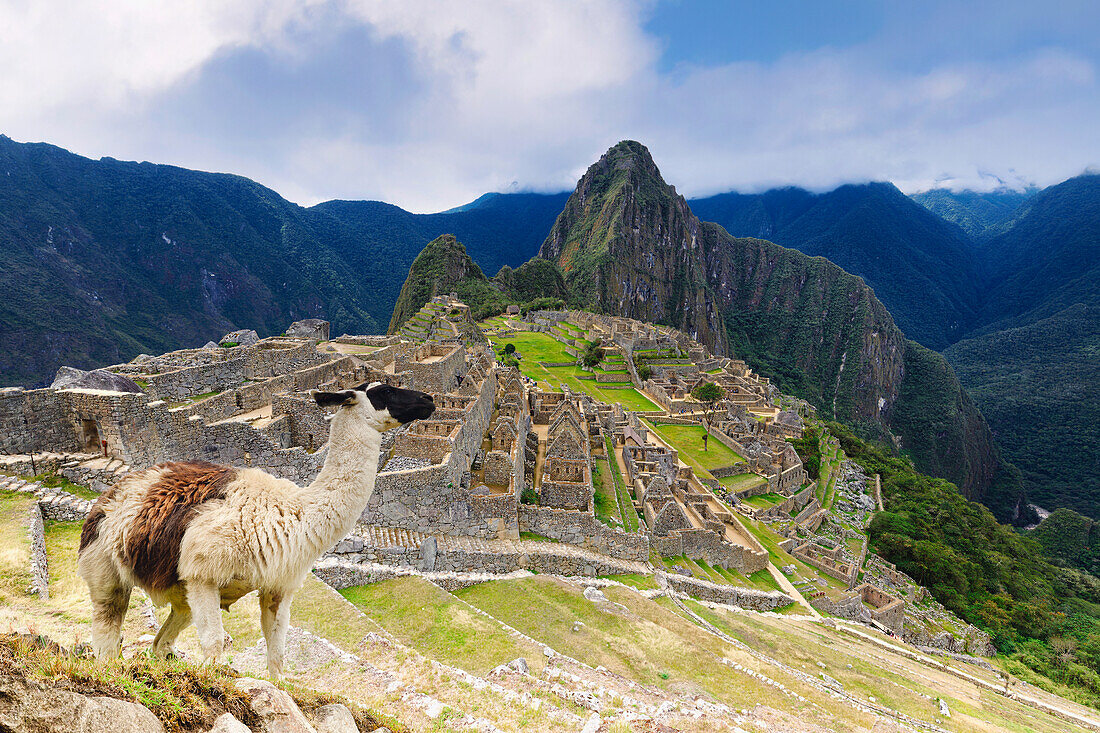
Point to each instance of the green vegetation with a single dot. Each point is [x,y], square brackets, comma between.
[688,440]
[1070,538]
[983,571]
[184,696]
[57,481]
[626,506]
[708,393]
[431,620]
[592,354]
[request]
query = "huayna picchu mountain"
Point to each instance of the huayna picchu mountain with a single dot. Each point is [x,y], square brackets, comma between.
[628,244]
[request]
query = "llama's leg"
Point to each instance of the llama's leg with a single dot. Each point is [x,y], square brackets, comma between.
[275,618]
[175,623]
[204,600]
[109,604]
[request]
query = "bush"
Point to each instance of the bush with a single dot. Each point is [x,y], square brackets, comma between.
[509,349]
[645,371]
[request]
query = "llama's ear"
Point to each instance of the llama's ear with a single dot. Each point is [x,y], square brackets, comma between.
[334,399]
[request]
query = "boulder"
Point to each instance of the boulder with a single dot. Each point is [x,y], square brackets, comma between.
[310,328]
[278,712]
[72,378]
[520,665]
[226,723]
[595,595]
[210,345]
[334,718]
[244,337]
[31,707]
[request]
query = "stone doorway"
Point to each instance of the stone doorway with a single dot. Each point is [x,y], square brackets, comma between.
[89,436]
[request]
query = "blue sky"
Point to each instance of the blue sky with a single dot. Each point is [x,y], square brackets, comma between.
[429,104]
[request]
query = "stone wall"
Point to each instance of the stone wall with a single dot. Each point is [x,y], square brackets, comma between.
[35,421]
[577,528]
[36,532]
[731,595]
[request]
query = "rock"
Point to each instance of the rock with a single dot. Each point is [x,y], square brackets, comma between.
[226,723]
[334,718]
[943,709]
[519,664]
[71,378]
[277,711]
[244,337]
[31,707]
[311,328]
[210,345]
[349,544]
[595,595]
[428,549]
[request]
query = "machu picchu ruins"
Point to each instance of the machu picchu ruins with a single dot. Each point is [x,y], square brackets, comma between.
[512,472]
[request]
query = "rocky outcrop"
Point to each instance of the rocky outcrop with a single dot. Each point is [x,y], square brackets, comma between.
[32,707]
[72,378]
[244,337]
[310,328]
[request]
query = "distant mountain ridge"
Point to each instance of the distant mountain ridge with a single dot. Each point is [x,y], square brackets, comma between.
[921,267]
[979,214]
[106,259]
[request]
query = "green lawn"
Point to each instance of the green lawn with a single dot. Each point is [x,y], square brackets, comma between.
[535,347]
[688,439]
[742,482]
[764,501]
[606,499]
[432,621]
[629,516]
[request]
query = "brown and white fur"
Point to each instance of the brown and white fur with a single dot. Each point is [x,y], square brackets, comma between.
[200,536]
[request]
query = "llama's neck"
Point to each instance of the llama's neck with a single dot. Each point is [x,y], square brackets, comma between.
[339,494]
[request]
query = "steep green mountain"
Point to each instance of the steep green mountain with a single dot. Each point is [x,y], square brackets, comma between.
[978,213]
[1049,259]
[1071,538]
[628,244]
[106,259]
[921,267]
[444,266]
[1033,364]
[1039,387]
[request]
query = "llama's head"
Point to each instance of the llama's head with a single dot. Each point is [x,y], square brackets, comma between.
[379,405]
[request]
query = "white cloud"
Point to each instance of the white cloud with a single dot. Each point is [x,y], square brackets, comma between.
[485,93]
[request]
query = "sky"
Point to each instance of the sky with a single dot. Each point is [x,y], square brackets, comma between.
[428,105]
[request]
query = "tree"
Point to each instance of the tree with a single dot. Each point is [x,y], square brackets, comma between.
[708,393]
[593,354]
[645,371]
[509,349]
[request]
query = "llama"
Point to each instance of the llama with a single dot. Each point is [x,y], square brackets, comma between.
[200,536]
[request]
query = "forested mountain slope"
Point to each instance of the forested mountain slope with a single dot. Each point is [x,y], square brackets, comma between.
[921,267]
[105,259]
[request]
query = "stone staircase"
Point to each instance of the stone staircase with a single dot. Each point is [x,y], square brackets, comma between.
[56,504]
